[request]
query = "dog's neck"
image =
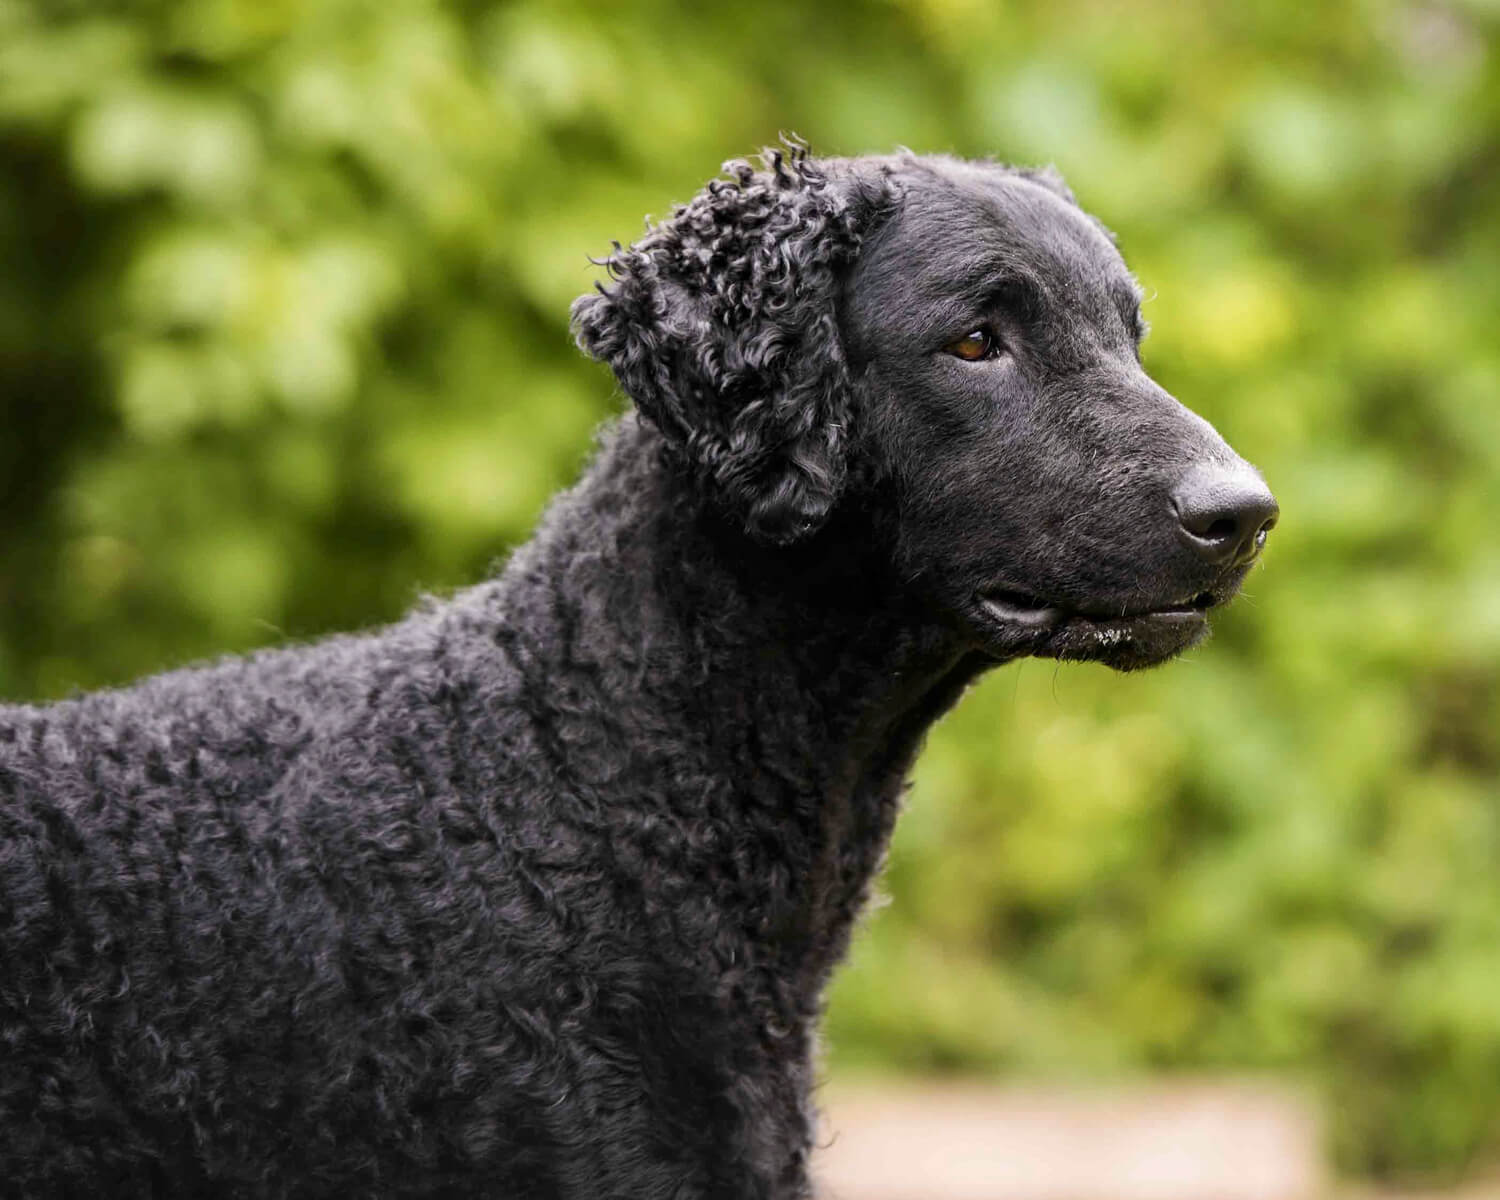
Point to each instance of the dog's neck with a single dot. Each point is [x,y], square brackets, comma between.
[788,689]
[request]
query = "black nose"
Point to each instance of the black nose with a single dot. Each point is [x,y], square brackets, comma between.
[1225,515]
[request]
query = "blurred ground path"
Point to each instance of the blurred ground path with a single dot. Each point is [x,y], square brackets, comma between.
[1179,1141]
[1198,1141]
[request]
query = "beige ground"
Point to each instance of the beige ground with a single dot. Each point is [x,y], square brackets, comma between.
[1207,1141]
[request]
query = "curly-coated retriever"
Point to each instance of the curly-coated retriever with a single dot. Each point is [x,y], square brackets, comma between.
[535,893]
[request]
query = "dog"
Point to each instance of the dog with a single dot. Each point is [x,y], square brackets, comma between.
[535,893]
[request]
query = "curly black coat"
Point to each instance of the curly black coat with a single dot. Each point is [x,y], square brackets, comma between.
[535,893]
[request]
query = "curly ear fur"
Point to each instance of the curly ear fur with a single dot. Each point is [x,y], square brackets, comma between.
[721,325]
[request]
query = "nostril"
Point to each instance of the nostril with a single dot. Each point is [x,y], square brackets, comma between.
[1225,517]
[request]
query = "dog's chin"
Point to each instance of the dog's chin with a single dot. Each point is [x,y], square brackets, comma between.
[1015,625]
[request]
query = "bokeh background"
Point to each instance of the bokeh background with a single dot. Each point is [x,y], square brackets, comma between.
[283,340]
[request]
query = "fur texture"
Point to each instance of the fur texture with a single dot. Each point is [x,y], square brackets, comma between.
[535,894]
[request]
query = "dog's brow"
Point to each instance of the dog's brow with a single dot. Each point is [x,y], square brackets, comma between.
[1021,294]
[997,281]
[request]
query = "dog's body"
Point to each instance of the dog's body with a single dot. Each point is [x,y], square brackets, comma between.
[535,893]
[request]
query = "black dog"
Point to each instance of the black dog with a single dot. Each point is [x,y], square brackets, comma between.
[535,894]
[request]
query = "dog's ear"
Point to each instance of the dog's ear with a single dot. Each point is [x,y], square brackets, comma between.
[721,325]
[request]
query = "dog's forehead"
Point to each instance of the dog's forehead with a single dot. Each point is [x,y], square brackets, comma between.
[959,219]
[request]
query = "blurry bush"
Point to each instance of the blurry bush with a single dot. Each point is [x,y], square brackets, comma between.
[283,332]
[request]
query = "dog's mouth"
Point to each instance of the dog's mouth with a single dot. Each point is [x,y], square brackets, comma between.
[1022,608]
[1019,623]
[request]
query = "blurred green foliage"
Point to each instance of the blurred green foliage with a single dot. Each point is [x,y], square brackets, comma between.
[283,337]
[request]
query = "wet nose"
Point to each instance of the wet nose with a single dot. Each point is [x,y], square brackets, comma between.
[1224,516]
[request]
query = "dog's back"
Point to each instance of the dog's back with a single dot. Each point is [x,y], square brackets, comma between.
[209,884]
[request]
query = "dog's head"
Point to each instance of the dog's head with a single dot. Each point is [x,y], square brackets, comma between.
[957,345]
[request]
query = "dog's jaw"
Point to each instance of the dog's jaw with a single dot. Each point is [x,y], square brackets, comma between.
[1008,629]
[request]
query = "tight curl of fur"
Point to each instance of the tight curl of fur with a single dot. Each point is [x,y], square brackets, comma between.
[721,325]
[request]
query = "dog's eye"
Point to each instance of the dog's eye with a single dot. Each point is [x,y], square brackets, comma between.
[975,346]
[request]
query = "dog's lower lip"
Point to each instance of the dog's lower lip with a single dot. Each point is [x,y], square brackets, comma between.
[1168,614]
[1022,608]
[1196,607]
[1018,608]
[1178,614]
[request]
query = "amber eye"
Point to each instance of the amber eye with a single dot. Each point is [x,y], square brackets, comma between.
[975,347]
